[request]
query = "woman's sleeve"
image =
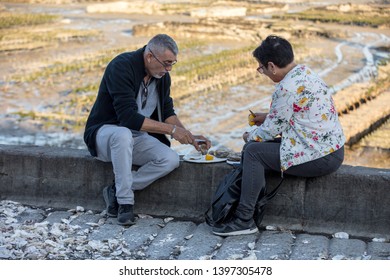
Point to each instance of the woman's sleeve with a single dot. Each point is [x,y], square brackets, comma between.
[278,118]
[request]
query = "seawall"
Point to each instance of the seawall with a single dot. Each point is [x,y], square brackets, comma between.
[353,199]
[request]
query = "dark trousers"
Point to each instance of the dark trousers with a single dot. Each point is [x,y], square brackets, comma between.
[259,157]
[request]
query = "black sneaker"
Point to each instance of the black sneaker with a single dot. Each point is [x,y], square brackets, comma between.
[236,227]
[111,202]
[125,215]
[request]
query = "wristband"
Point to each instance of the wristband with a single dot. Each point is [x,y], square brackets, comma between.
[173,131]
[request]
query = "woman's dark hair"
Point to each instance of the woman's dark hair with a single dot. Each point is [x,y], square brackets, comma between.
[274,49]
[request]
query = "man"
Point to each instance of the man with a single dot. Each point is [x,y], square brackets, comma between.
[127,125]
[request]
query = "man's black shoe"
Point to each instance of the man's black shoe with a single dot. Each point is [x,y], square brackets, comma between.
[111,202]
[126,215]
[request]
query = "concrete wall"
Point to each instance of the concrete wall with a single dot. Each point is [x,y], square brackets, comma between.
[354,199]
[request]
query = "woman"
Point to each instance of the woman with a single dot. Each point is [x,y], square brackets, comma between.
[302,113]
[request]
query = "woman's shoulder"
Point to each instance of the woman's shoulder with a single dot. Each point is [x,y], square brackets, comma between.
[302,68]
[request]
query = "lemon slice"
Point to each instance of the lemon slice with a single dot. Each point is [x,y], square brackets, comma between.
[208,157]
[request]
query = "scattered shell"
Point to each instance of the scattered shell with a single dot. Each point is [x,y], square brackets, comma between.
[341,235]
[167,220]
[251,256]
[235,257]
[9,221]
[113,243]
[322,256]
[188,237]
[379,239]
[338,257]
[96,244]
[117,253]
[144,216]
[43,224]
[42,240]
[141,254]
[92,224]
[127,252]
[251,245]
[51,243]
[271,228]
[80,248]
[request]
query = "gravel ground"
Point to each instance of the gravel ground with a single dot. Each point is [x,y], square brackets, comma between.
[28,233]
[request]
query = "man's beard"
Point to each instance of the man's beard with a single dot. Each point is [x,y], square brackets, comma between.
[157,76]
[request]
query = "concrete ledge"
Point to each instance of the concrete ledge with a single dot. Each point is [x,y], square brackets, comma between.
[354,199]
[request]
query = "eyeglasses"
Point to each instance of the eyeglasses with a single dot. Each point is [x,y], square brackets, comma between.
[164,64]
[144,95]
[260,69]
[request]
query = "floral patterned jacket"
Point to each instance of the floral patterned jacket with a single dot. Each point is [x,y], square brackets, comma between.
[303,113]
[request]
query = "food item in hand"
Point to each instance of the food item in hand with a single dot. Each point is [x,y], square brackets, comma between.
[208,157]
[203,148]
[250,119]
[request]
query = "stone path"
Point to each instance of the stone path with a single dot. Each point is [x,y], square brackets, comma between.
[32,233]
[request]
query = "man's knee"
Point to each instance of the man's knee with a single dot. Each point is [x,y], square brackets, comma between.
[173,161]
[121,138]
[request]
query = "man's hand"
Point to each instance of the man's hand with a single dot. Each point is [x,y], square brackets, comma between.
[183,135]
[200,139]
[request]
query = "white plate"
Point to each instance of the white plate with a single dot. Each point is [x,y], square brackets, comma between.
[233,162]
[201,159]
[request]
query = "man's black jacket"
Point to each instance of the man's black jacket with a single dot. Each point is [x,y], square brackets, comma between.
[116,99]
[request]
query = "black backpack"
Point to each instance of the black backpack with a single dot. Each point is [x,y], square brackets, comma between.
[227,196]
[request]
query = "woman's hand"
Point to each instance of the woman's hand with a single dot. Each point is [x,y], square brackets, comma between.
[259,118]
